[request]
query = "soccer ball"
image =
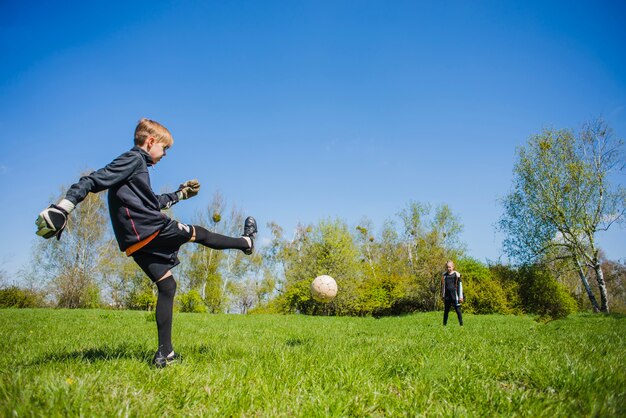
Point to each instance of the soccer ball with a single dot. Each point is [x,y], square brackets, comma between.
[324,288]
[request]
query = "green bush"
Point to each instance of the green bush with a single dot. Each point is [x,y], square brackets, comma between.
[486,297]
[507,278]
[91,297]
[297,298]
[16,297]
[141,299]
[483,292]
[541,294]
[191,302]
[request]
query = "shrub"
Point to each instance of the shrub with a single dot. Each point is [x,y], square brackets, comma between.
[483,293]
[16,297]
[141,299]
[486,297]
[507,278]
[541,294]
[191,302]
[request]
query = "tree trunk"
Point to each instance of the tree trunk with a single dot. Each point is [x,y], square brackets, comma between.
[583,279]
[604,307]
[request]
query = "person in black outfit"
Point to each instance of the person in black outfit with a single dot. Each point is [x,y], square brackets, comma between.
[141,229]
[452,292]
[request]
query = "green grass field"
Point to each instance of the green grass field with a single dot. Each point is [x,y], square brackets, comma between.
[96,363]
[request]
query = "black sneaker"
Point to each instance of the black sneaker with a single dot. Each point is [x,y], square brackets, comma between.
[249,230]
[160,361]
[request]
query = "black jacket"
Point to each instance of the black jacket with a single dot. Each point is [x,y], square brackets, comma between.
[451,286]
[134,208]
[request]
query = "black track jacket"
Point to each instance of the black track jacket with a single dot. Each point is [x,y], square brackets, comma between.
[134,208]
[451,286]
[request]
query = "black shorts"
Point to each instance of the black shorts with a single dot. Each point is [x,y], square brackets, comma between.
[161,254]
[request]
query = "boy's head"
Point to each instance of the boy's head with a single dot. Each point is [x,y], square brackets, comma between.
[153,138]
[449,266]
[147,128]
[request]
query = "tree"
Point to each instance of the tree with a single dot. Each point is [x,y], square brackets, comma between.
[3,278]
[388,286]
[328,248]
[215,274]
[615,275]
[71,265]
[562,198]
[203,268]
[431,240]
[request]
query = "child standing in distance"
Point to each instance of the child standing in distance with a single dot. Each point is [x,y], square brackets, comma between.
[142,231]
[452,292]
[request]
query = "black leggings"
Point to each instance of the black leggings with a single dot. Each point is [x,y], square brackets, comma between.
[164,310]
[217,241]
[447,304]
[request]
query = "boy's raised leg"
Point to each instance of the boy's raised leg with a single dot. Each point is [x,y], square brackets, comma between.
[244,243]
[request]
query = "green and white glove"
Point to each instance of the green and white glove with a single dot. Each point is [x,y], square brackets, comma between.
[53,220]
[188,189]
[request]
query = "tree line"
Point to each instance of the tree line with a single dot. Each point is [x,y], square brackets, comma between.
[561,198]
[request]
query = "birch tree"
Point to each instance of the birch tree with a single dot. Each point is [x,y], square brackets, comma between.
[562,198]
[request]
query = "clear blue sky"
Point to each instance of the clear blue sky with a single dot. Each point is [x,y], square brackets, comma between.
[298,111]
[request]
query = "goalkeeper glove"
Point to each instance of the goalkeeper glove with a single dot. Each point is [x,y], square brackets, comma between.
[52,221]
[188,189]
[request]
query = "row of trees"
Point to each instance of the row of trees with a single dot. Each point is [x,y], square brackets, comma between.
[394,271]
[561,198]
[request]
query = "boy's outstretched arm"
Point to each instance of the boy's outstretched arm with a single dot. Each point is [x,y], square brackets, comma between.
[52,220]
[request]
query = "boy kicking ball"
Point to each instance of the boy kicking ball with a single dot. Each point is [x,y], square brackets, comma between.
[142,231]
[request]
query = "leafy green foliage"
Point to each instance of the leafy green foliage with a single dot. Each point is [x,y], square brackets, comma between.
[562,198]
[391,273]
[203,273]
[220,277]
[388,275]
[394,271]
[541,294]
[191,301]
[327,249]
[483,292]
[431,239]
[142,294]
[17,297]
[507,278]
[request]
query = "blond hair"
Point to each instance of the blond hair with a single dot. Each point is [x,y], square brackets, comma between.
[149,128]
[450,262]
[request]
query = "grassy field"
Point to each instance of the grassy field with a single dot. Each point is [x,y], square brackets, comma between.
[96,363]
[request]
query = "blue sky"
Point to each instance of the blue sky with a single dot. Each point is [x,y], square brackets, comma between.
[298,111]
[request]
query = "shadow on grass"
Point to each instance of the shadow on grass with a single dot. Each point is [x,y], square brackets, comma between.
[296,342]
[95,354]
[117,352]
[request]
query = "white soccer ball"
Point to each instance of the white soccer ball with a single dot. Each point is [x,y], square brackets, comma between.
[324,288]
